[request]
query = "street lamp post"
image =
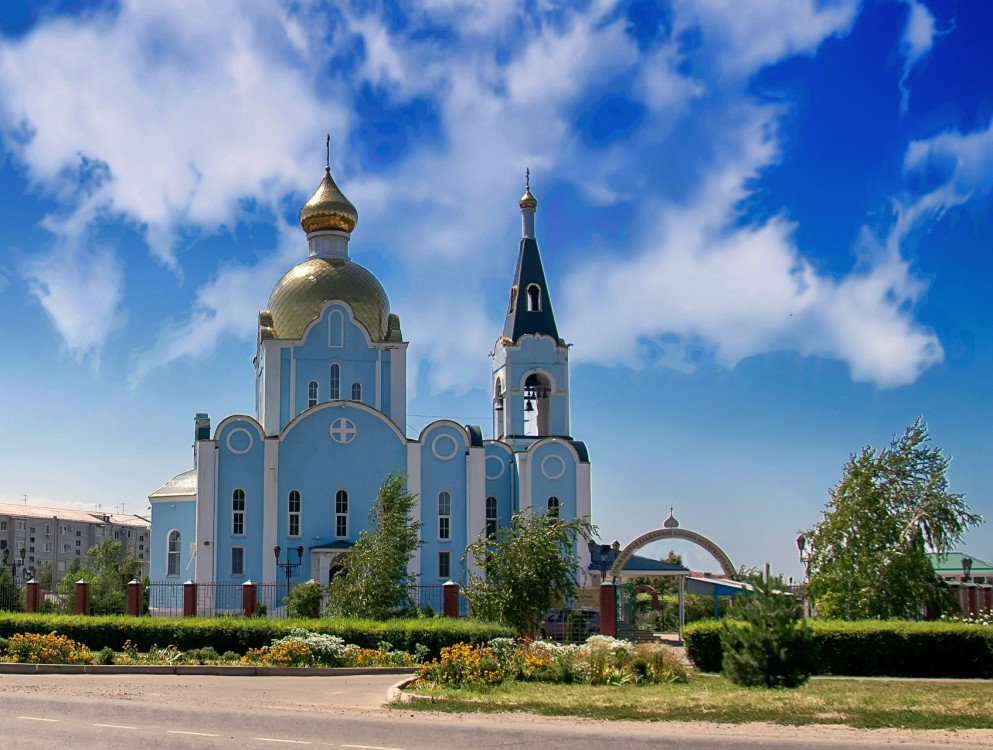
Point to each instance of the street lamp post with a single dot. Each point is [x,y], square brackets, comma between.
[966,569]
[600,556]
[288,566]
[13,564]
[801,546]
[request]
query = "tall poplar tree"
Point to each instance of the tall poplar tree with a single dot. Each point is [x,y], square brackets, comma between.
[868,556]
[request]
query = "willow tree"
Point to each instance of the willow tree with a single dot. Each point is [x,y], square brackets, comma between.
[868,556]
[515,574]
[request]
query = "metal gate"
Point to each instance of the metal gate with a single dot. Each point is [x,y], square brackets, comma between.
[626,610]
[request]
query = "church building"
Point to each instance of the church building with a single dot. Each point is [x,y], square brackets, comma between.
[330,424]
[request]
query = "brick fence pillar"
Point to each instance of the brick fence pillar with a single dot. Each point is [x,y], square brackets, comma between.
[608,609]
[32,596]
[189,599]
[249,598]
[134,598]
[450,599]
[82,604]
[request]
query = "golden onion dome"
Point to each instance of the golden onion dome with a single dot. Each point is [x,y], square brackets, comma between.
[299,296]
[328,209]
[528,200]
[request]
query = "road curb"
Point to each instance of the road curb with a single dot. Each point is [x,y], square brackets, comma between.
[199,670]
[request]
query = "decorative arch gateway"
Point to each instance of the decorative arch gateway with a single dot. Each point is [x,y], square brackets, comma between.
[670,530]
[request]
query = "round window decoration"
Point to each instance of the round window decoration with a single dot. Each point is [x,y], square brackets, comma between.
[239,441]
[494,467]
[343,430]
[553,467]
[444,447]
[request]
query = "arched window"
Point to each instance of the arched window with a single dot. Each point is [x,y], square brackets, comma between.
[335,336]
[294,513]
[444,515]
[553,507]
[341,514]
[492,520]
[534,298]
[312,394]
[498,406]
[238,512]
[172,556]
[356,391]
[334,383]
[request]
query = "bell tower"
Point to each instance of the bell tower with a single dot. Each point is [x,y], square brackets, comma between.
[530,361]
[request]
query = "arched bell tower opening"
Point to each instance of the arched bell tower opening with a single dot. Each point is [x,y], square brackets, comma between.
[537,405]
[499,409]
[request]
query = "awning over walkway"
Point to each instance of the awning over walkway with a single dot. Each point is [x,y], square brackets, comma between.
[715,586]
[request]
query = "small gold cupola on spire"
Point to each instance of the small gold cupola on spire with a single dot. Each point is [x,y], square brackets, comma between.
[328,209]
[528,200]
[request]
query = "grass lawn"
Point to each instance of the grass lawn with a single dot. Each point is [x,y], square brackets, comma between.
[872,704]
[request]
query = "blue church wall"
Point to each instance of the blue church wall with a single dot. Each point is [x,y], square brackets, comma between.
[175,515]
[285,368]
[240,467]
[443,469]
[553,474]
[315,465]
[355,357]
[502,480]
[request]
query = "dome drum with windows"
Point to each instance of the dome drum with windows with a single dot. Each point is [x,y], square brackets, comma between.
[298,297]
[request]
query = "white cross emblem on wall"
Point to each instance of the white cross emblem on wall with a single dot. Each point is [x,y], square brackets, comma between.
[343,430]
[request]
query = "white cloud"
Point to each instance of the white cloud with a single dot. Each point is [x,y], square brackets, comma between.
[699,283]
[918,38]
[80,285]
[182,113]
[748,36]
[192,112]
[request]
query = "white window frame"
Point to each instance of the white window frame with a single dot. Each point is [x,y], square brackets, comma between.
[492,511]
[444,564]
[341,514]
[238,512]
[235,571]
[444,515]
[554,506]
[294,504]
[334,382]
[313,394]
[174,546]
[356,391]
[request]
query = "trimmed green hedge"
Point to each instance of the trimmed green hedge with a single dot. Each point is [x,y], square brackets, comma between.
[239,635]
[875,648]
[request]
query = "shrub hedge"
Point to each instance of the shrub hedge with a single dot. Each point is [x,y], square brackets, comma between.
[875,648]
[239,635]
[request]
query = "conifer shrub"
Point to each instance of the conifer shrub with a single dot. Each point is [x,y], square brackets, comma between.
[766,642]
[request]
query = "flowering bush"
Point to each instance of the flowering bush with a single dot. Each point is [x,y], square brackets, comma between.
[326,650]
[984,617]
[53,648]
[286,654]
[599,661]
[463,666]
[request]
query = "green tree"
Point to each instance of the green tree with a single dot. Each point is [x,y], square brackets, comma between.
[112,571]
[65,591]
[868,556]
[43,575]
[524,568]
[765,640]
[11,598]
[374,581]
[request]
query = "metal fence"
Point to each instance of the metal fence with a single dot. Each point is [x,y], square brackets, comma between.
[215,599]
[11,597]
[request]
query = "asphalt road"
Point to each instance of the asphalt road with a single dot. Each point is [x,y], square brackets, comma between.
[82,712]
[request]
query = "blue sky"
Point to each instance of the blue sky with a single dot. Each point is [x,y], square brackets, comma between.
[766,227]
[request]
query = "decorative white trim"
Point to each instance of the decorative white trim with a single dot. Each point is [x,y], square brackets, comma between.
[343,430]
[414,488]
[500,463]
[441,456]
[551,473]
[235,431]
[270,507]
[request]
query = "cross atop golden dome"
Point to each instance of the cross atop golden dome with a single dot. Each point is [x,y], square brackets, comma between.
[528,200]
[328,209]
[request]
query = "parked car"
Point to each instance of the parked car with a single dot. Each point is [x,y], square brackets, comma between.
[571,625]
